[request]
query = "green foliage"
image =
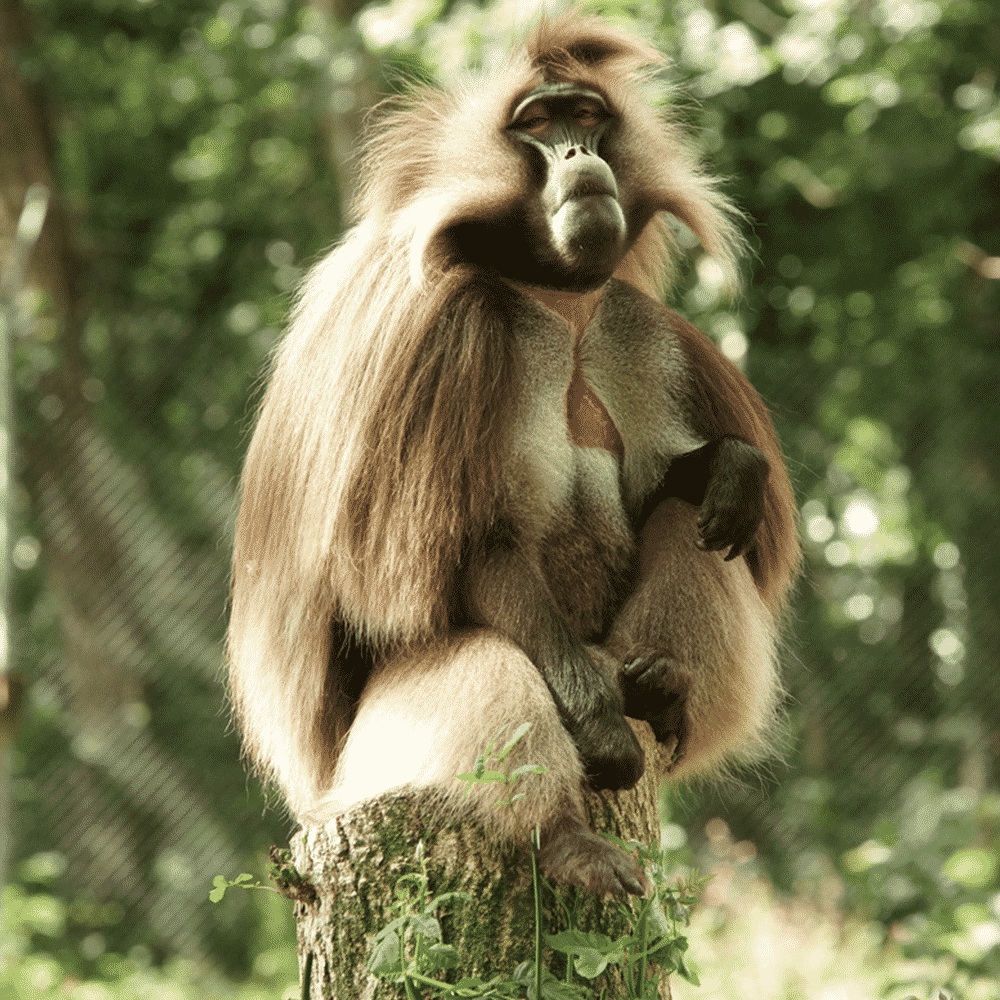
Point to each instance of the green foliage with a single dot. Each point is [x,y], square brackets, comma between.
[858,145]
[244,881]
[931,871]
[37,963]
[284,874]
[656,935]
[418,921]
[482,774]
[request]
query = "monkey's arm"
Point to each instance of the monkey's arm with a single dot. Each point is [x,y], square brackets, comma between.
[727,479]
[506,591]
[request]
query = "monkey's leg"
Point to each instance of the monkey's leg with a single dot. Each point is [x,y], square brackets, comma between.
[507,593]
[697,646]
[425,716]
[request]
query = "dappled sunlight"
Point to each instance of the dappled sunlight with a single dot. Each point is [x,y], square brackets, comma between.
[748,940]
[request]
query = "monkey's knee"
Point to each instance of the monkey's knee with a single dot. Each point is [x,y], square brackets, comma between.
[426,715]
[696,646]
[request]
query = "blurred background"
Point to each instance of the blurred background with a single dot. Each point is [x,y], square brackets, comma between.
[169,168]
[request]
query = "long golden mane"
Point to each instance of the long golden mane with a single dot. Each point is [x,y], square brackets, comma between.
[379,448]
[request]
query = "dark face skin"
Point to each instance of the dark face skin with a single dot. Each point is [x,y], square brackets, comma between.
[562,124]
[572,234]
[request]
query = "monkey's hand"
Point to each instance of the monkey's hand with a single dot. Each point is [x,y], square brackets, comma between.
[609,750]
[655,688]
[733,506]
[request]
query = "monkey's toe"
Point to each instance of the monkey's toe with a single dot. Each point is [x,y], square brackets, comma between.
[671,731]
[618,769]
[655,688]
[573,854]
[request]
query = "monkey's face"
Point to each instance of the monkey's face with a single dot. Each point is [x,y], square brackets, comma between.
[578,221]
[566,229]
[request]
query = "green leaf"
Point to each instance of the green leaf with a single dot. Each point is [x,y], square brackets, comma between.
[575,941]
[221,885]
[662,951]
[552,988]
[427,925]
[658,924]
[683,969]
[590,963]
[442,956]
[393,927]
[594,951]
[524,769]
[483,778]
[515,738]
[447,897]
[384,960]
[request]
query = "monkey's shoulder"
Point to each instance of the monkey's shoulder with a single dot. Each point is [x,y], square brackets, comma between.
[633,356]
[636,319]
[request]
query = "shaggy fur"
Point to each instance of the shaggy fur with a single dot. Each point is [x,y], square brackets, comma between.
[418,448]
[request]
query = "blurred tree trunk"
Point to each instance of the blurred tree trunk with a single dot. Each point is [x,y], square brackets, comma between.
[84,563]
[31,252]
[350,873]
[26,160]
[977,500]
[350,94]
[96,523]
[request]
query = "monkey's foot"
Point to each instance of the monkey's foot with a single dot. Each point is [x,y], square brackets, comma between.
[573,854]
[655,688]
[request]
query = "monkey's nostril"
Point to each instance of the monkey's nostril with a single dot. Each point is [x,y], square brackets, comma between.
[570,153]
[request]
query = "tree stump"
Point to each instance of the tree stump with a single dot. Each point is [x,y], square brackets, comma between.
[352,867]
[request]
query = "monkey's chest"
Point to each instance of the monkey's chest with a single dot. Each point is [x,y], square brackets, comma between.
[597,410]
[569,459]
[587,418]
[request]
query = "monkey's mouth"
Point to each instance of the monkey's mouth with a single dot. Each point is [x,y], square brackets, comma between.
[588,187]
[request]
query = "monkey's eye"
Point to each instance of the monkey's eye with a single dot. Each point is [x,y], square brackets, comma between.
[535,120]
[535,124]
[588,115]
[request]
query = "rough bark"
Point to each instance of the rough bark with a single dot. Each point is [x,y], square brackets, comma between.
[352,867]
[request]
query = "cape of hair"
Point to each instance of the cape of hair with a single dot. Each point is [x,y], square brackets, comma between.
[377,457]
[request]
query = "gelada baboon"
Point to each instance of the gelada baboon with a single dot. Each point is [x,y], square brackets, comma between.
[494,480]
